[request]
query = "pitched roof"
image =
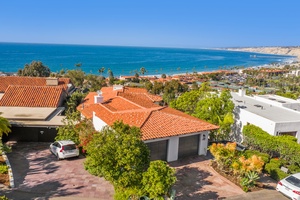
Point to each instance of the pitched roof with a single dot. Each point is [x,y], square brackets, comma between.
[163,123]
[5,81]
[31,96]
[134,107]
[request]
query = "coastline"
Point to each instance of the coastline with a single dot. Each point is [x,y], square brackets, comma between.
[285,51]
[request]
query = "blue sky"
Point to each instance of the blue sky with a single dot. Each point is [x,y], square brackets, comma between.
[159,23]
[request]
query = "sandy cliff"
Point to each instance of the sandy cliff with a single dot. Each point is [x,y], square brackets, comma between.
[292,51]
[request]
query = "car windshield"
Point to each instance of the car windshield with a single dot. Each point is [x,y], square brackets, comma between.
[294,181]
[69,147]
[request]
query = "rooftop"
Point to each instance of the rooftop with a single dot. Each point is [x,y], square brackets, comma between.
[31,96]
[266,110]
[134,106]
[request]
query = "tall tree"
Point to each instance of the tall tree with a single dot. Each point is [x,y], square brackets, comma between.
[35,69]
[212,107]
[101,70]
[118,154]
[110,76]
[143,70]
[77,77]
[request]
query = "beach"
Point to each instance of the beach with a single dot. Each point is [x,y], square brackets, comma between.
[290,51]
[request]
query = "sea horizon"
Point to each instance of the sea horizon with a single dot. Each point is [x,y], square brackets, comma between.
[127,60]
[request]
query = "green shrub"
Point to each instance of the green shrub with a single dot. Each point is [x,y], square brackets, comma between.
[285,147]
[277,162]
[277,174]
[3,198]
[264,156]
[294,169]
[3,169]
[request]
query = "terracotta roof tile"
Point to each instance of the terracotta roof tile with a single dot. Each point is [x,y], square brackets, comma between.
[134,107]
[119,104]
[5,81]
[32,96]
[162,124]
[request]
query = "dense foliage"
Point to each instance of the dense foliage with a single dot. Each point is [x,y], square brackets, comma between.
[35,69]
[284,149]
[118,154]
[212,107]
[158,179]
[4,126]
[244,167]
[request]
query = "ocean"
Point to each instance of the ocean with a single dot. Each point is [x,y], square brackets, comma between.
[128,60]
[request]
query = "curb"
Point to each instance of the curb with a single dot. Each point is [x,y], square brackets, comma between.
[10,173]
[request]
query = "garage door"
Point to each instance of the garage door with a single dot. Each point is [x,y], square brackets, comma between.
[32,134]
[188,146]
[158,150]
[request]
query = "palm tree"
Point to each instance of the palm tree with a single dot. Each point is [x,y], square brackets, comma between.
[101,70]
[143,70]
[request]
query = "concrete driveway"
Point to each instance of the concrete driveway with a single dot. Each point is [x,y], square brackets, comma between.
[197,180]
[38,175]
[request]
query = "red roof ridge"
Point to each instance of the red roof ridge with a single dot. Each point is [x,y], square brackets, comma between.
[129,101]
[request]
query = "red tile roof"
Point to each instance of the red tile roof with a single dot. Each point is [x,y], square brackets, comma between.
[134,107]
[164,123]
[5,81]
[32,96]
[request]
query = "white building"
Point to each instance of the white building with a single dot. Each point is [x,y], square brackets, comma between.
[274,114]
[169,134]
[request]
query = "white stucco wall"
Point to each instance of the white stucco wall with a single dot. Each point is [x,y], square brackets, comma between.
[267,125]
[173,149]
[288,127]
[203,143]
[98,123]
[251,118]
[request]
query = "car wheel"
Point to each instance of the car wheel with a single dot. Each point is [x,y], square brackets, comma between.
[58,158]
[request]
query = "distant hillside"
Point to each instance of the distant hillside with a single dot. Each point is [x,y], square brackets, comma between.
[293,51]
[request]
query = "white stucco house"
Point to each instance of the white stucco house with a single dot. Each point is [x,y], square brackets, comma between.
[274,114]
[169,134]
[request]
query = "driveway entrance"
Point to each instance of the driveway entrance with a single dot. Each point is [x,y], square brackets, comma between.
[38,175]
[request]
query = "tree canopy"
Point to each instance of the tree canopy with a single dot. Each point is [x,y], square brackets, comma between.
[35,69]
[118,154]
[212,107]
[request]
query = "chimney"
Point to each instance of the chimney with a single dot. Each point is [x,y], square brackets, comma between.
[242,92]
[98,98]
[52,81]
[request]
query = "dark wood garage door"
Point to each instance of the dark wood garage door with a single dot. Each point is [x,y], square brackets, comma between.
[32,134]
[188,146]
[158,150]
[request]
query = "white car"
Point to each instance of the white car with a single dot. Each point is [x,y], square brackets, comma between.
[64,149]
[290,186]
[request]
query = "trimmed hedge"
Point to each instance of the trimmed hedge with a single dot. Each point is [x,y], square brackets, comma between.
[286,147]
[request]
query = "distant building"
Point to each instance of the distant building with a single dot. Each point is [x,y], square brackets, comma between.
[274,114]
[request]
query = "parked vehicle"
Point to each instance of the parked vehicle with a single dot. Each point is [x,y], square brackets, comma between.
[290,186]
[64,149]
